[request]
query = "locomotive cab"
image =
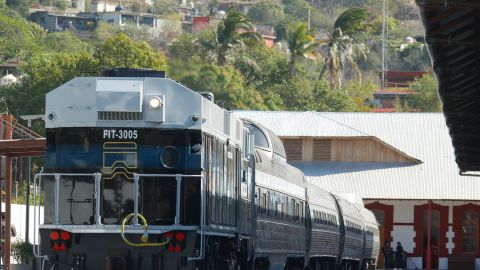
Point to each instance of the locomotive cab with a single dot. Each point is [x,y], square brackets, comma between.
[142,168]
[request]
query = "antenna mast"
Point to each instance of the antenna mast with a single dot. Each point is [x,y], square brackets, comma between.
[384,42]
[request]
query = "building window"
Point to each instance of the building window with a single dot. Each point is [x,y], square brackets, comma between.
[322,150]
[148,21]
[129,19]
[293,148]
[470,232]
[380,216]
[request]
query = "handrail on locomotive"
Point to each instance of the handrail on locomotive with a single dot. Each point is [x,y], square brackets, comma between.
[133,228]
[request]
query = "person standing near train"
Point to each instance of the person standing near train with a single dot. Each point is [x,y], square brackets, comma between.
[399,257]
[387,252]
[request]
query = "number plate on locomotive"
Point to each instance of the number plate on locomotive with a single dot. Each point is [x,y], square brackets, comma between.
[120,134]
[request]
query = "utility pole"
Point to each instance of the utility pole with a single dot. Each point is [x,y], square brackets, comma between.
[308,19]
[384,42]
[383,47]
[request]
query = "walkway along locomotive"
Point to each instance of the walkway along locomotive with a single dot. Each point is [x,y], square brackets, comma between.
[143,173]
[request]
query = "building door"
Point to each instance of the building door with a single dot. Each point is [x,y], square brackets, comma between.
[434,237]
[470,232]
[380,216]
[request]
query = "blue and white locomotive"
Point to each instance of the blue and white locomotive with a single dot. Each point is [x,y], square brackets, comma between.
[143,173]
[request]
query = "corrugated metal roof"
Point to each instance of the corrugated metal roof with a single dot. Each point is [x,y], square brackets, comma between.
[420,135]
[300,124]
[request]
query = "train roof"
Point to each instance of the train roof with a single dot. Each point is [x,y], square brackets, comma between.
[270,158]
[275,145]
[321,197]
[368,217]
[126,102]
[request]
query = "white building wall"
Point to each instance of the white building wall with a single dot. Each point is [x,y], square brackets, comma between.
[403,212]
[19,221]
[100,7]
[405,235]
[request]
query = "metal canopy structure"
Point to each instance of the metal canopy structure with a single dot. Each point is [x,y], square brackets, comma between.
[453,37]
[15,141]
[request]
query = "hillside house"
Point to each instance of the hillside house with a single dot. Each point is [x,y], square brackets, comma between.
[393,96]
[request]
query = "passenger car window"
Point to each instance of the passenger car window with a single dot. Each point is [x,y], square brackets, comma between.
[260,139]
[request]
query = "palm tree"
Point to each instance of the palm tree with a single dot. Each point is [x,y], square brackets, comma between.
[236,29]
[300,43]
[341,48]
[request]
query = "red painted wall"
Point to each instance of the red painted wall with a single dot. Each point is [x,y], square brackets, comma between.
[200,23]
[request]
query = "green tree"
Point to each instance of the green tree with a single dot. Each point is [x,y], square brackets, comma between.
[354,21]
[341,48]
[360,92]
[266,12]
[186,47]
[65,42]
[262,66]
[104,31]
[44,72]
[300,43]
[296,94]
[328,100]
[18,37]
[296,11]
[121,51]
[236,29]
[426,98]
[20,6]
[164,7]
[226,83]
[415,57]
[300,94]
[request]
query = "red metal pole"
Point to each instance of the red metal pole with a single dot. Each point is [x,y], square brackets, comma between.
[429,232]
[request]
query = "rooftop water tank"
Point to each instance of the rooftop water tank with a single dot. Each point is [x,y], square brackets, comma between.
[7,80]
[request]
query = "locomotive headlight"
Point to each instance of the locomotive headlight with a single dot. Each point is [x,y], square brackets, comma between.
[155,102]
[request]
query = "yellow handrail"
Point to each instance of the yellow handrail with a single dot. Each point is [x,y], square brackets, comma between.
[143,238]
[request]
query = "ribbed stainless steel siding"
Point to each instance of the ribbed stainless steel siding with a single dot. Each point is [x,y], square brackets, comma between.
[279,237]
[324,243]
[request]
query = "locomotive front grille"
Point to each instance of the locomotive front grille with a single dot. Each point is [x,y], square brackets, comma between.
[120,116]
